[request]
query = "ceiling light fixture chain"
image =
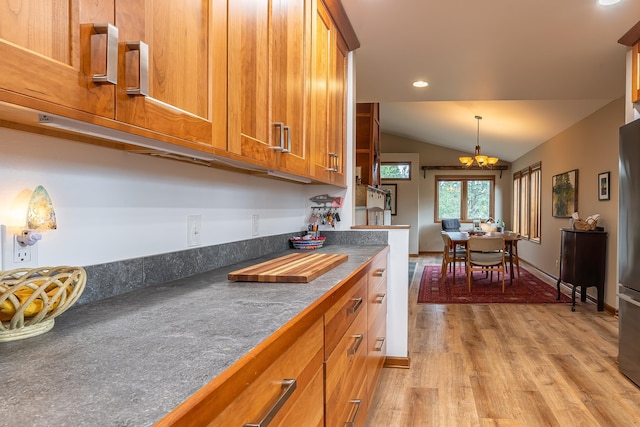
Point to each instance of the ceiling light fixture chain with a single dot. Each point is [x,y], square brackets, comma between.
[482,160]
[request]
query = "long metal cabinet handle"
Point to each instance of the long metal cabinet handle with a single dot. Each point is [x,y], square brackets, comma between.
[281,126]
[287,129]
[629,300]
[111,74]
[355,306]
[288,387]
[352,421]
[143,68]
[380,298]
[381,340]
[353,350]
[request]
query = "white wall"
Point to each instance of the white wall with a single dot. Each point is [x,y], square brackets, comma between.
[423,185]
[407,196]
[113,205]
[591,146]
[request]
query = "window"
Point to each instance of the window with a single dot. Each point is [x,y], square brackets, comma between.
[526,202]
[395,170]
[467,198]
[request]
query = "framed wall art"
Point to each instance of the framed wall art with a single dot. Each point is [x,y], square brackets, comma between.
[564,193]
[603,186]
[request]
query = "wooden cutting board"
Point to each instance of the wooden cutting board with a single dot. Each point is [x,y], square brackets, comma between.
[294,268]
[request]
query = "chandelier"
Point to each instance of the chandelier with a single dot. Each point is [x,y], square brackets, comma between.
[482,160]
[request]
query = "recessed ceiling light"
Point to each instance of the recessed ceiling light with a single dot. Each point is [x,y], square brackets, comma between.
[608,2]
[420,83]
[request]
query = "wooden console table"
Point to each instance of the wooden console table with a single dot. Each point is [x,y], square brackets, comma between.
[583,257]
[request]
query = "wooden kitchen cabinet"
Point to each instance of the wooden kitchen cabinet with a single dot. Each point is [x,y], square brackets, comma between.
[368,142]
[346,357]
[56,57]
[377,321]
[268,81]
[328,93]
[47,50]
[327,349]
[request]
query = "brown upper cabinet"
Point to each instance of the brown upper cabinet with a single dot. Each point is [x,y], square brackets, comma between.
[144,63]
[268,79]
[368,142]
[328,93]
[260,82]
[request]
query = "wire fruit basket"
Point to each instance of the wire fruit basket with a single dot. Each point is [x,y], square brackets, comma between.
[30,298]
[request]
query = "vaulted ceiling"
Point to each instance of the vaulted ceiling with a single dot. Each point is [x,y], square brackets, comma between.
[530,68]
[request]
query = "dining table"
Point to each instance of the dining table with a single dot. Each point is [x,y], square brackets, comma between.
[460,238]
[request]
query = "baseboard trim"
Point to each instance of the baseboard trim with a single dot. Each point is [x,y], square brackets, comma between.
[397,362]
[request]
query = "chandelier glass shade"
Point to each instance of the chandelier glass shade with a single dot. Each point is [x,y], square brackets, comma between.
[480,159]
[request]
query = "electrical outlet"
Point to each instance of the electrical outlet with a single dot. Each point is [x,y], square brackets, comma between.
[255,225]
[13,254]
[21,253]
[557,263]
[194,230]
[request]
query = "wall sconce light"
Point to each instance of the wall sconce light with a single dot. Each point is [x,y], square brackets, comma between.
[40,216]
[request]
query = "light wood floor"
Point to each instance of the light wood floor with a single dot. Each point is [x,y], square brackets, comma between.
[506,365]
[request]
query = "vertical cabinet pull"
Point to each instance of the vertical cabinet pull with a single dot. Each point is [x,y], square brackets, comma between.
[288,387]
[380,298]
[353,350]
[381,341]
[356,305]
[281,126]
[143,68]
[333,162]
[283,130]
[287,129]
[352,421]
[111,74]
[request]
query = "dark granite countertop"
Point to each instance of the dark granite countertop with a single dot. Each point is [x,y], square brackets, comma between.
[130,359]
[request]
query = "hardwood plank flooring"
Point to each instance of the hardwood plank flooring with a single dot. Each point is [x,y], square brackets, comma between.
[506,365]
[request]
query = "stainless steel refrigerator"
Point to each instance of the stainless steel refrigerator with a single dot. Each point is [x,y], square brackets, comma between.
[629,251]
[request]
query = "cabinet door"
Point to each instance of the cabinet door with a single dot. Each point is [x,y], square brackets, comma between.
[48,57]
[250,130]
[338,97]
[322,38]
[291,70]
[177,97]
[267,82]
[328,92]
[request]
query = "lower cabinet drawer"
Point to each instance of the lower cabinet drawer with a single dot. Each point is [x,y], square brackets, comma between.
[343,312]
[345,377]
[274,396]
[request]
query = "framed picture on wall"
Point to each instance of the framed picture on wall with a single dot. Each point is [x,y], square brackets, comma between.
[392,201]
[564,190]
[603,186]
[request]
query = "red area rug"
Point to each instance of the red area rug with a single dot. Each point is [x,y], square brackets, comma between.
[528,290]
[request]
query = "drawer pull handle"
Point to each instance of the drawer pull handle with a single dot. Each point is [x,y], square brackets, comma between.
[380,272]
[353,350]
[356,305]
[380,340]
[380,298]
[111,74]
[352,422]
[288,387]
[143,68]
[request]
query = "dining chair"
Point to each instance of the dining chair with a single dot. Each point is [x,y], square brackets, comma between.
[449,256]
[511,255]
[485,254]
[450,224]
